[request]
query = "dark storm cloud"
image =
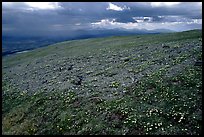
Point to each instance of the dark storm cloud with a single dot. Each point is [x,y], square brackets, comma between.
[69,18]
[186,9]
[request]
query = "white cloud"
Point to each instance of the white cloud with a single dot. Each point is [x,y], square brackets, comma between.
[104,23]
[31,5]
[43,5]
[142,19]
[116,8]
[196,21]
[181,19]
[77,24]
[112,24]
[161,4]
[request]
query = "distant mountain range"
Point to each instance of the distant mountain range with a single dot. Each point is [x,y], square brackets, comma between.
[13,44]
[115,32]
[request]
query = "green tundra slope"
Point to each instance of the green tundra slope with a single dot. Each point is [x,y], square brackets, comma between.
[124,85]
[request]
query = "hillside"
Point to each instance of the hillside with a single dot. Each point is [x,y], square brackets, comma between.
[139,84]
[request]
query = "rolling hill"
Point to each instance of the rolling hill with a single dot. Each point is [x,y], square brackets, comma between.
[119,85]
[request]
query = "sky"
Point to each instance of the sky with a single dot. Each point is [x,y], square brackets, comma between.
[75,18]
